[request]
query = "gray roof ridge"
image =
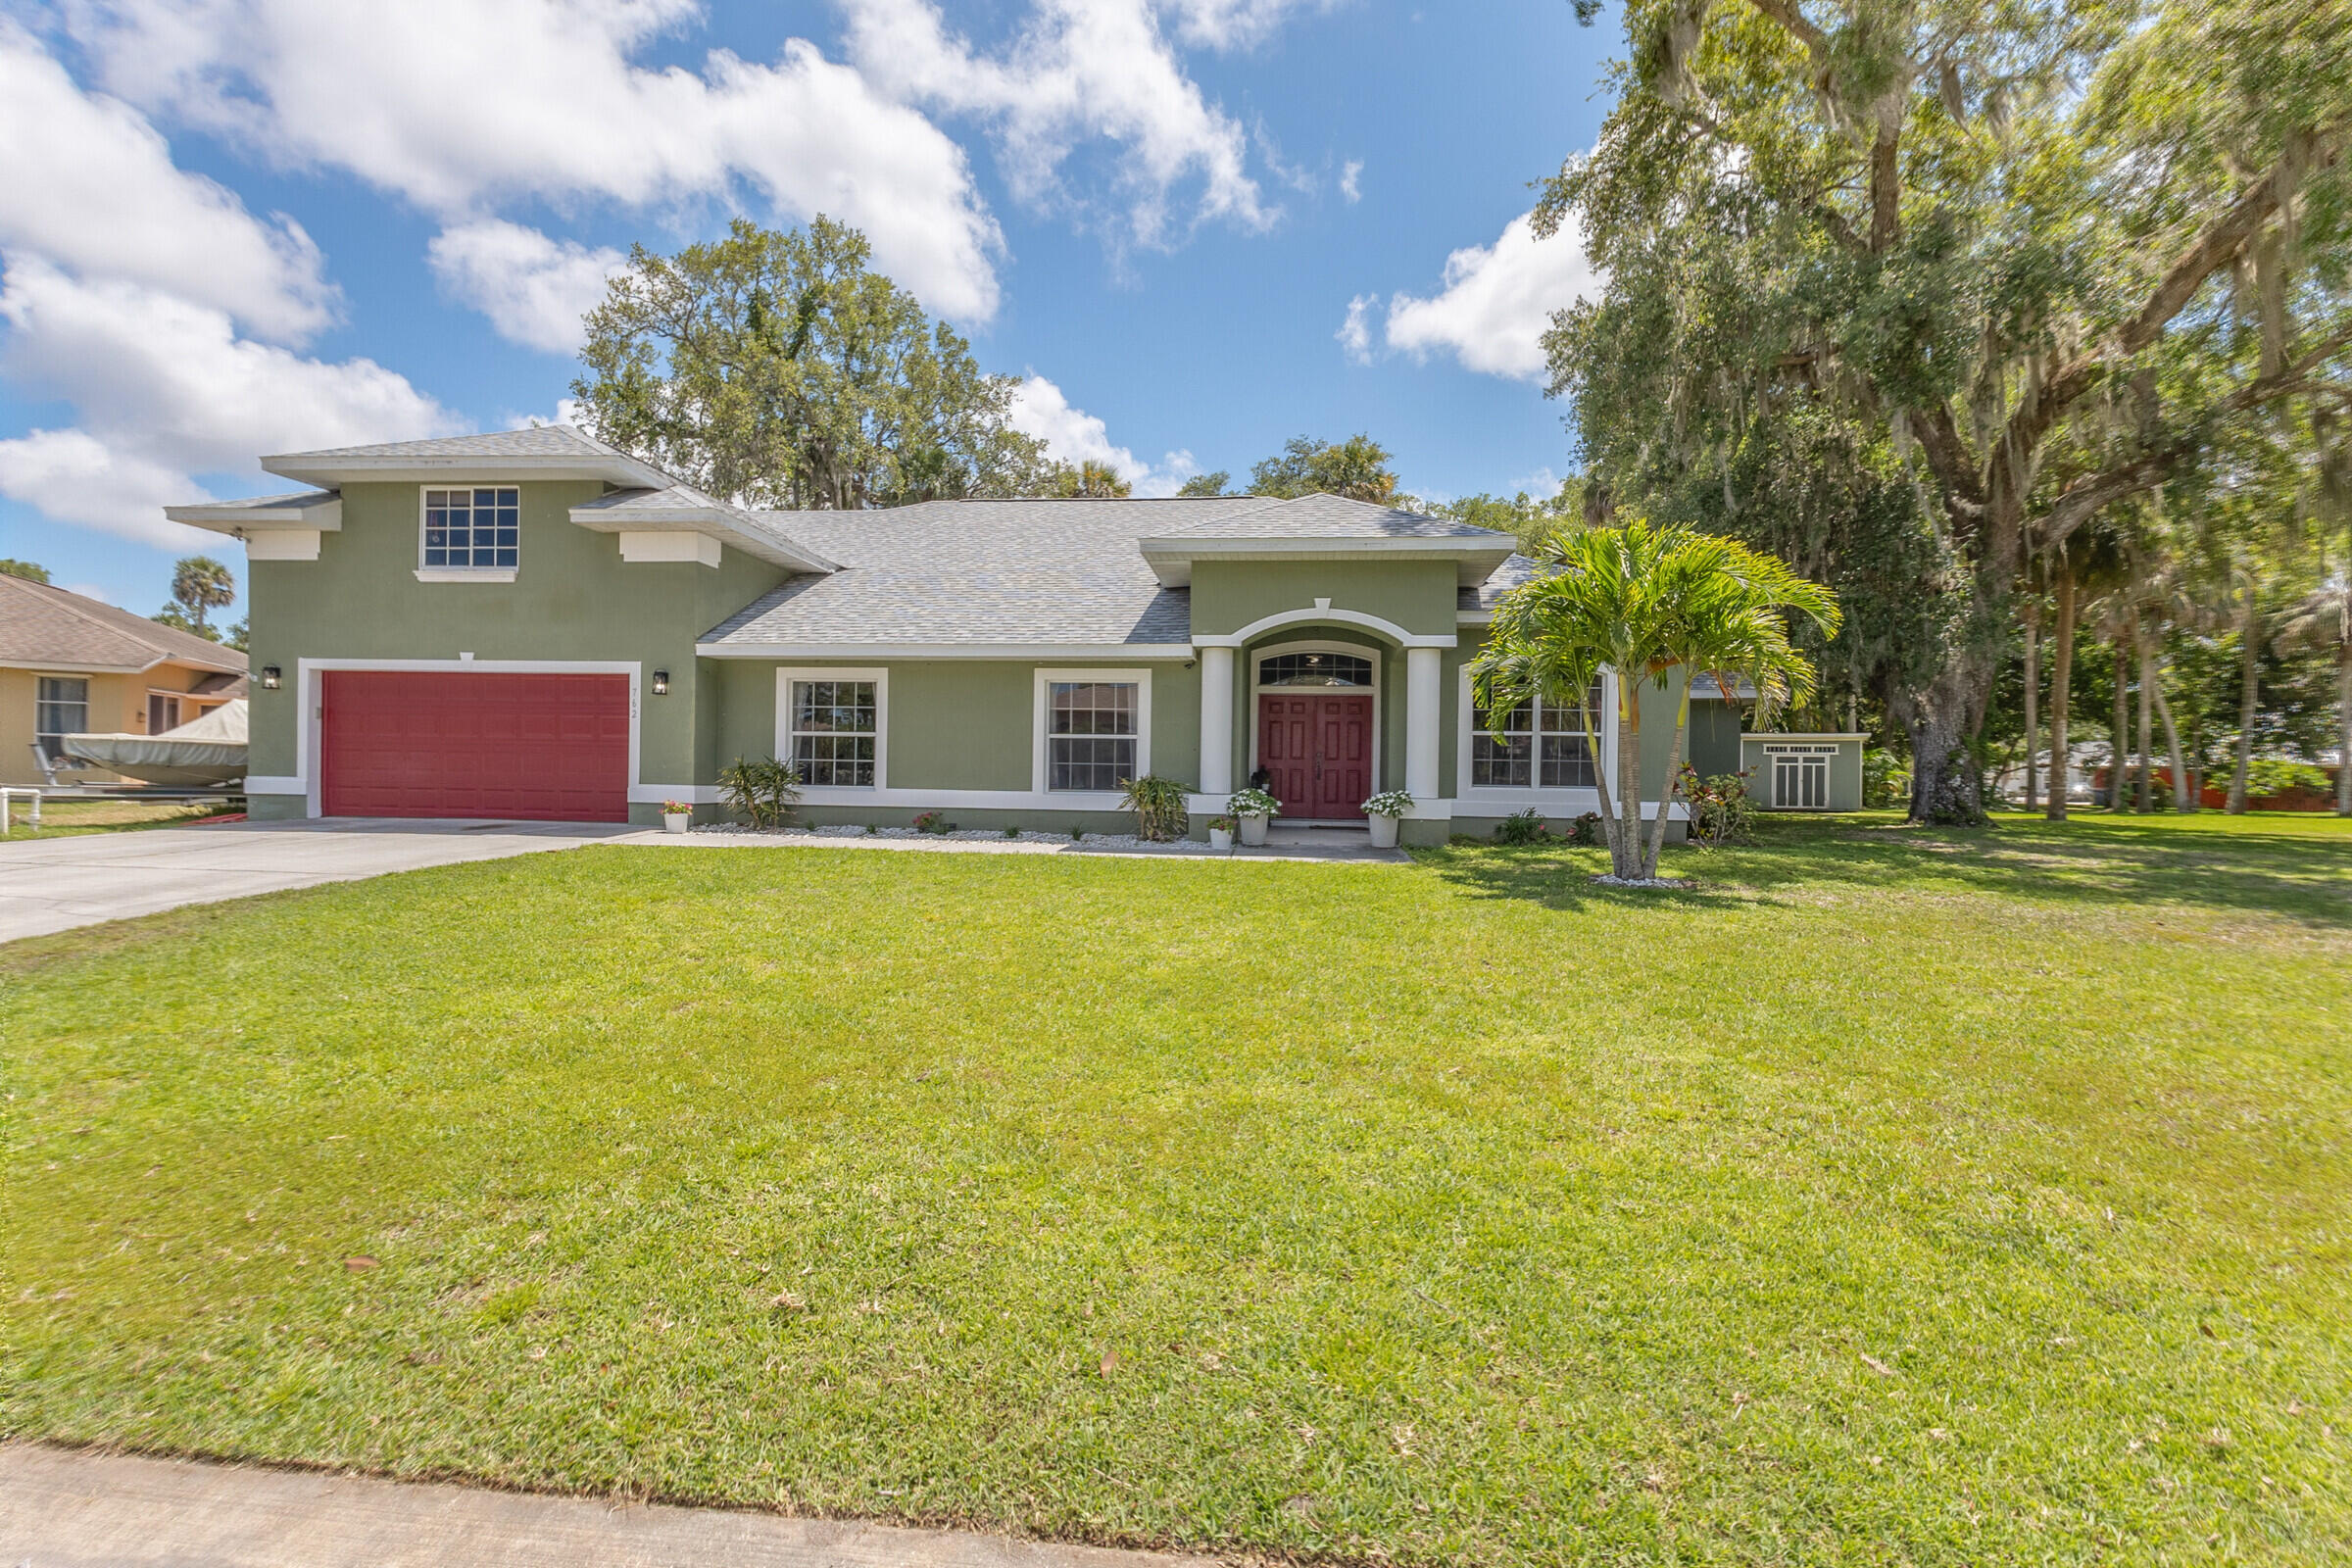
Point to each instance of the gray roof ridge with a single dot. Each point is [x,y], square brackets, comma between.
[144,629]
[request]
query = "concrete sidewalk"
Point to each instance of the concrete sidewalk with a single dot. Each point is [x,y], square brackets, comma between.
[63,1509]
[55,884]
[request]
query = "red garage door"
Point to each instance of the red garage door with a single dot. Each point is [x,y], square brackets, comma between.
[411,743]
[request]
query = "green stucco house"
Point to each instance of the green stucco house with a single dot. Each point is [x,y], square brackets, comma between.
[531,624]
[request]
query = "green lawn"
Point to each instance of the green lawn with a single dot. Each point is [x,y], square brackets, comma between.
[62,818]
[1895,1196]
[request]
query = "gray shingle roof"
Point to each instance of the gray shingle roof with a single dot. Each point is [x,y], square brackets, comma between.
[42,625]
[1322,516]
[981,572]
[296,502]
[684,505]
[1510,574]
[539,441]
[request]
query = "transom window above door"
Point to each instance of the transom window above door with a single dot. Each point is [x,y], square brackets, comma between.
[476,527]
[834,727]
[1315,669]
[1536,745]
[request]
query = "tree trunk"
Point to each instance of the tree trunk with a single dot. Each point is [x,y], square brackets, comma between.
[2249,697]
[1612,830]
[2118,769]
[2062,673]
[2142,768]
[2184,789]
[2343,749]
[1625,854]
[2033,620]
[1674,768]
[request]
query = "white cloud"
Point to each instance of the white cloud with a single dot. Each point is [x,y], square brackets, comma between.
[1234,23]
[1072,435]
[85,182]
[534,288]
[1355,333]
[1079,69]
[165,390]
[1497,303]
[460,105]
[1351,174]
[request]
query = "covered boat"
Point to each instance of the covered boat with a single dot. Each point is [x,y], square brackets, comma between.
[206,752]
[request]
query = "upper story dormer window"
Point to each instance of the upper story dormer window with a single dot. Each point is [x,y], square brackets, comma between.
[478,528]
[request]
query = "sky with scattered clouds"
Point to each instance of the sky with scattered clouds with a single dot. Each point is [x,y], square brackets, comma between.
[1195,227]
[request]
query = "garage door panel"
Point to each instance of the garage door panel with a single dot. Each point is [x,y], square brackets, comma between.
[417,743]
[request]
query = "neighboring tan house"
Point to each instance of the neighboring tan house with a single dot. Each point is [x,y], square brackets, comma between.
[532,625]
[71,665]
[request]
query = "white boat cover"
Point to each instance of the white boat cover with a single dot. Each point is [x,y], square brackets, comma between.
[209,748]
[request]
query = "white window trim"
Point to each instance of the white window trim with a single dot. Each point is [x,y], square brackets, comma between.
[1551,802]
[425,573]
[1379,657]
[310,696]
[838,794]
[1087,799]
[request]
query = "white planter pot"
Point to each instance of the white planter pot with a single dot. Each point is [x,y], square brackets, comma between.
[1221,839]
[1253,830]
[1384,832]
[676,821]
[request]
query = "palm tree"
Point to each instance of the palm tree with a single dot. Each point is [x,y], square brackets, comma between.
[1091,480]
[1642,601]
[201,585]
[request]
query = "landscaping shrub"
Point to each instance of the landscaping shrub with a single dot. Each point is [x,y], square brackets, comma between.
[1158,805]
[1885,780]
[933,822]
[1522,828]
[767,791]
[1722,812]
[1586,829]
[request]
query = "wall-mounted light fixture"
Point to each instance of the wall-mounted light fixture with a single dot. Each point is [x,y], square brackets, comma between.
[660,683]
[269,677]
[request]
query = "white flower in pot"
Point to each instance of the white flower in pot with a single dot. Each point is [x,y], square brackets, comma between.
[1254,807]
[1220,834]
[1384,810]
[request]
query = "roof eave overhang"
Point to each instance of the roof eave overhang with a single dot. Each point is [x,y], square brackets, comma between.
[322,515]
[327,472]
[719,524]
[1475,560]
[1032,653]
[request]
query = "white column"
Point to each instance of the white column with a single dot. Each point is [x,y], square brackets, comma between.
[1216,720]
[1422,679]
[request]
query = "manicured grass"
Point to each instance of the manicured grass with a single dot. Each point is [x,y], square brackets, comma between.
[62,818]
[1897,1195]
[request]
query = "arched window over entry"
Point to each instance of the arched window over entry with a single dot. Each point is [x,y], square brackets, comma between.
[1315,669]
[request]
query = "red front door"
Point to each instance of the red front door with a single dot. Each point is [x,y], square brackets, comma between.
[431,743]
[1319,750]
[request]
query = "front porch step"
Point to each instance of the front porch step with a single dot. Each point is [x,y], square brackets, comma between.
[1336,835]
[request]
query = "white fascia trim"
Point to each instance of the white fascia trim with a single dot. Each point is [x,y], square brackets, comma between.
[309,698]
[274,784]
[1474,618]
[1324,612]
[323,510]
[784,748]
[668,545]
[465,573]
[1026,653]
[1171,558]
[329,472]
[280,544]
[971,800]
[1045,677]
[1806,735]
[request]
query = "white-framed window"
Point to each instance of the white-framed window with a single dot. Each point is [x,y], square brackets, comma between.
[60,707]
[1094,729]
[1536,745]
[472,529]
[163,711]
[833,724]
[1318,666]
[1801,776]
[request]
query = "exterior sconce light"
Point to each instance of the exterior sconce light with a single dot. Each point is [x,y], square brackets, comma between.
[269,677]
[660,683]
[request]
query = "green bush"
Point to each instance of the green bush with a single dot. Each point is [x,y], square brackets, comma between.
[767,791]
[2268,777]
[1522,828]
[1722,812]
[1586,829]
[1886,779]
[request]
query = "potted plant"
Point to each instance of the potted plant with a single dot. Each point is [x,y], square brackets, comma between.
[1220,834]
[1256,808]
[1384,810]
[676,816]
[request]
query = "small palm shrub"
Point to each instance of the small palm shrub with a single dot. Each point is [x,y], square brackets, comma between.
[1522,828]
[1158,805]
[766,791]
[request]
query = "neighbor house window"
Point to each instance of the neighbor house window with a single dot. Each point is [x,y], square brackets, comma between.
[475,527]
[1536,745]
[1091,734]
[60,707]
[836,725]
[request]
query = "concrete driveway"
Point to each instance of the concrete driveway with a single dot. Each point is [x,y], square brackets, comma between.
[56,884]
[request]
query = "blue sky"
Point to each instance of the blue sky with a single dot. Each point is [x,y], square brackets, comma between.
[1198,227]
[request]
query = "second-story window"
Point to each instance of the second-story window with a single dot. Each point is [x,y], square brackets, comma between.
[477,526]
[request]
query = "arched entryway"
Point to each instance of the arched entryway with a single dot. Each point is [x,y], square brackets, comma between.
[1315,726]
